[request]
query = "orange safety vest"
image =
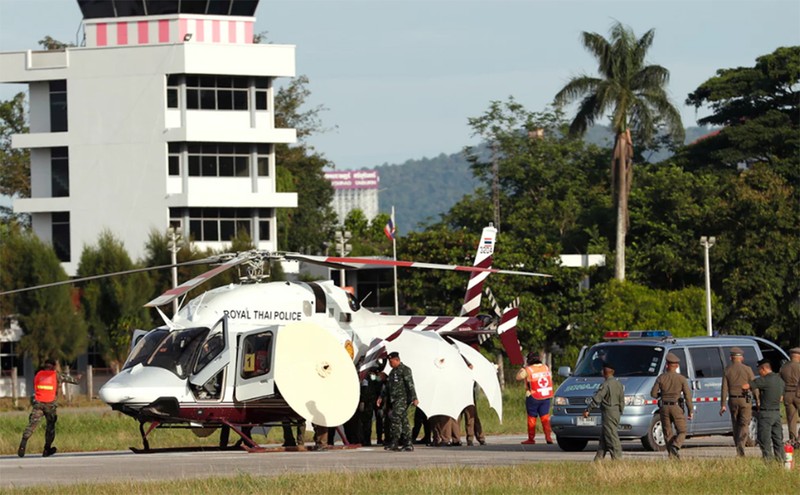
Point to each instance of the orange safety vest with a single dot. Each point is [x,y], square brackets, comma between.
[540,381]
[45,385]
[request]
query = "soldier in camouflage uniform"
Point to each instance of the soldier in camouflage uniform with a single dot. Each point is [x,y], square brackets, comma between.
[399,392]
[370,391]
[45,385]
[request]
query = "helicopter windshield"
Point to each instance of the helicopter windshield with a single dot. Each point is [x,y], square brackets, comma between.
[145,347]
[178,350]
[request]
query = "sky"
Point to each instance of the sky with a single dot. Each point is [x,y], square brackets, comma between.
[401,78]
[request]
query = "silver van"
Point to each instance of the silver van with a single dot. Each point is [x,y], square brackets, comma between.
[639,357]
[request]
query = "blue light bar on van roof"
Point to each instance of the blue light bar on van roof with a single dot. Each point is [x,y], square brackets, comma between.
[638,334]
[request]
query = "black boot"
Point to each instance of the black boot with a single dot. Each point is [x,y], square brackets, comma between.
[21,449]
[48,451]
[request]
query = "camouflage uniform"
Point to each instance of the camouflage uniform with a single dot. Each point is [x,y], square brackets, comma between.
[399,392]
[48,410]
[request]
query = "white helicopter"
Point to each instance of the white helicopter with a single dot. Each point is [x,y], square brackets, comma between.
[263,354]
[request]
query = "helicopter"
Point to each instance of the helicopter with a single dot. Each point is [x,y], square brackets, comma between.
[260,353]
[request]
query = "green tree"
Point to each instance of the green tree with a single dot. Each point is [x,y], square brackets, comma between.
[635,95]
[52,327]
[300,170]
[112,306]
[15,174]
[759,109]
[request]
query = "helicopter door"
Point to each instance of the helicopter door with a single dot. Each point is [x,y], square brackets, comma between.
[212,358]
[254,373]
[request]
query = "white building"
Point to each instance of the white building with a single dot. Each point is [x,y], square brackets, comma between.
[354,189]
[163,117]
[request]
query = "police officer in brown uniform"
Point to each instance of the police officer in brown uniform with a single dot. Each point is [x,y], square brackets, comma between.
[790,372]
[738,400]
[668,388]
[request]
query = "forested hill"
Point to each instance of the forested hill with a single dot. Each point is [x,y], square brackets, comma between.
[421,190]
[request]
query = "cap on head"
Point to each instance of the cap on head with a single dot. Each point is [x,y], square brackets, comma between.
[533,358]
[608,365]
[394,354]
[764,362]
[794,350]
[49,362]
[735,351]
[672,358]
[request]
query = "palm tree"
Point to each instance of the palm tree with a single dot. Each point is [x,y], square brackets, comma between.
[633,95]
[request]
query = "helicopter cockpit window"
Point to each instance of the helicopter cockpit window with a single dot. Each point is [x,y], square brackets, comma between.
[257,358]
[210,349]
[145,347]
[178,351]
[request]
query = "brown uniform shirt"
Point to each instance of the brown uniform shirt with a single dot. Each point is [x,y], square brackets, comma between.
[736,375]
[790,372]
[671,384]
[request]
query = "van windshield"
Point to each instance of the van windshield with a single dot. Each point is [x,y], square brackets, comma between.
[628,360]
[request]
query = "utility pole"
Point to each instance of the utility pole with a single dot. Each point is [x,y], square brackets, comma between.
[707,242]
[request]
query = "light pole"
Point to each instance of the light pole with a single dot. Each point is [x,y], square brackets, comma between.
[174,236]
[707,242]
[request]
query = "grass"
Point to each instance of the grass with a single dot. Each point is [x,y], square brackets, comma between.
[87,426]
[732,475]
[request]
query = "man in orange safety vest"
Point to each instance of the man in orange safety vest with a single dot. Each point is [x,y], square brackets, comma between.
[538,392]
[45,387]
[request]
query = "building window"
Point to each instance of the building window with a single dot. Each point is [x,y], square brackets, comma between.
[216,93]
[223,224]
[59,172]
[9,358]
[60,234]
[218,159]
[262,91]
[205,92]
[174,159]
[58,106]
[173,91]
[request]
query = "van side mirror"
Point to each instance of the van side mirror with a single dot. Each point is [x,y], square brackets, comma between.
[565,371]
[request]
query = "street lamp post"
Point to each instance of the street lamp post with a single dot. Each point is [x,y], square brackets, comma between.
[174,237]
[707,242]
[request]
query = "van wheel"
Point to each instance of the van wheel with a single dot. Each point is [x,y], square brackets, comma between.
[571,444]
[654,441]
[752,433]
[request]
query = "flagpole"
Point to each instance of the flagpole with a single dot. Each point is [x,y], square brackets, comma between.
[394,254]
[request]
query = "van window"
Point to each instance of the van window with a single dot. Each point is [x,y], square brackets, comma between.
[750,356]
[707,362]
[628,360]
[683,368]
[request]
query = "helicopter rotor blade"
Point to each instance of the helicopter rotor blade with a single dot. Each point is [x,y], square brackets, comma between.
[107,275]
[354,263]
[168,296]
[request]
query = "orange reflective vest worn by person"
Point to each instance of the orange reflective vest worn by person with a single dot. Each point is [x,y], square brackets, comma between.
[44,385]
[45,392]
[538,392]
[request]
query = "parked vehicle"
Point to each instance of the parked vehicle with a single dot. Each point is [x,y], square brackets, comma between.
[639,357]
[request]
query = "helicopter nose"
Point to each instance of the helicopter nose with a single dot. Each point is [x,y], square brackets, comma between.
[141,385]
[114,393]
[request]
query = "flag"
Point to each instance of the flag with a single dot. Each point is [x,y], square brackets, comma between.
[390,229]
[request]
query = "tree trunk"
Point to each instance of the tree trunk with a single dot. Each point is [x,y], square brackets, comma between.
[622,175]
